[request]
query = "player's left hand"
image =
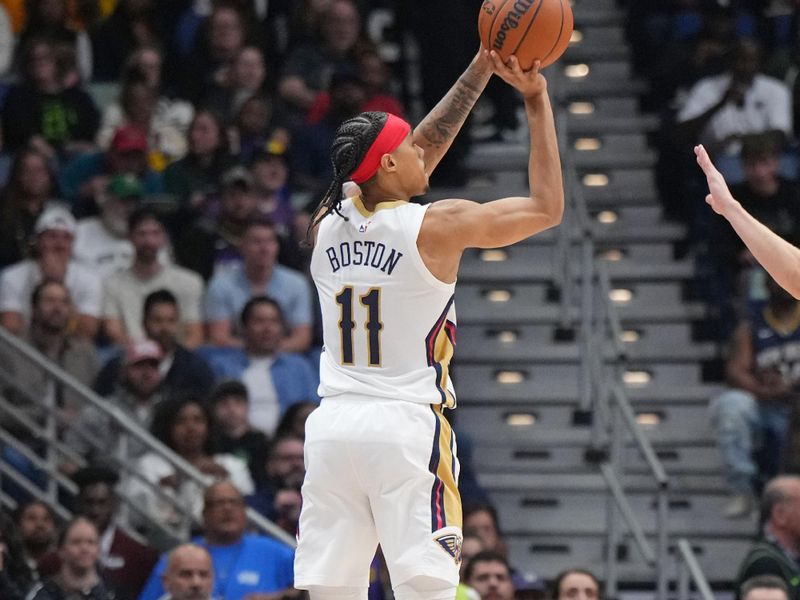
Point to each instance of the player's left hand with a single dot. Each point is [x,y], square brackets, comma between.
[530,83]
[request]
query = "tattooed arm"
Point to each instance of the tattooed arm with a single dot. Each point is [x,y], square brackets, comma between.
[436,132]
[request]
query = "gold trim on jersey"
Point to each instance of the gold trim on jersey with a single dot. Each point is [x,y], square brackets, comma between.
[783,329]
[445,495]
[443,351]
[358,202]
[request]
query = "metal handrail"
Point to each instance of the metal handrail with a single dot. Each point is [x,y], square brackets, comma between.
[689,570]
[130,428]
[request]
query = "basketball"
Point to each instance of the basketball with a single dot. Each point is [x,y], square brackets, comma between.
[531,29]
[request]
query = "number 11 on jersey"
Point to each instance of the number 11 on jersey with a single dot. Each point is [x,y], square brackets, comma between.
[371,301]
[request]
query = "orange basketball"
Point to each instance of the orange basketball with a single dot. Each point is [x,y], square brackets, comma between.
[531,29]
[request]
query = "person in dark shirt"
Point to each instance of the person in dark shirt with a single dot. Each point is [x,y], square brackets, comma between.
[234,433]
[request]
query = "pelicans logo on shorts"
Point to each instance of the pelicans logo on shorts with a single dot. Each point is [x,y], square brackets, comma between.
[450,542]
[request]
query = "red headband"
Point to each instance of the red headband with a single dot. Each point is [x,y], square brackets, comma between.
[391,136]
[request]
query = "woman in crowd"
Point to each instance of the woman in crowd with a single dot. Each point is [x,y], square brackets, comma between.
[15,575]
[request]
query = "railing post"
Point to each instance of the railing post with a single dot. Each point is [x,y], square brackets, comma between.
[613,540]
[683,579]
[51,433]
[662,548]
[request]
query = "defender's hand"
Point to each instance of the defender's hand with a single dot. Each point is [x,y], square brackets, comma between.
[719,197]
[530,83]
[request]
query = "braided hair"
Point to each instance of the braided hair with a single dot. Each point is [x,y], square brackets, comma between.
[351,144]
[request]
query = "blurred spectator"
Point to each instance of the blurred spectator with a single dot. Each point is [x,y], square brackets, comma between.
[130,26]
[31,184]
[101,242]
[293,420]
[213,245]
[183,425]
[274,379]
[310,66]
[52,259]
[482,520]
[230,408]
[181,369]
[51,313]
[41,106]
[223,38]
[247,77]
[257,126]
[762,373]
[138,103]
[311,144]
[78,549]
[15,576]
[284,469]
[126,290]
[229,291]
[87,177]
[244,563]
[471,545]
[488,574]
[375,75]
[576,584]
[720,110]
[774,552]
[195,179]
[764,587]
[189,574]
[95,434]
[124,563]
[36,526]
[50,20]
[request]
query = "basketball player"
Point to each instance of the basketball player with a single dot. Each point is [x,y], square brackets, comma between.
[780,258]
[380,455]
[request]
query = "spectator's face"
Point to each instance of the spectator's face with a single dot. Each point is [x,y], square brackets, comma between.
[114,214]
[340,26]
[373,71]
[189,575]
[148,238]
[578,586]
[98,503]
[482,524]
[143,378]
[766,594]
[37,530]
[253,116]
[130,161]
[204,135]
[238,203]
[492,581]
[55,242]
[225,33]
[747,62]
[285,463]
[53,310]
[149,62]
[470,546]
[139,103]
[762,174]
[161,324]
[224,512]
[81,547]
[264,330]
[34,177]
[42,68]
[190,430]
[287,505]
[270,174]
[249,70]
[231,413]
[260,247]
[347,99]
[53,12]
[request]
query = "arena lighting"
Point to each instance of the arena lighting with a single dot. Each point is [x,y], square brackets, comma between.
[496,255]
[636,378]
[620,296]
[648,419]
[510,377]
[629,336]
[576,37]
[498,295]
[506,337]
[520,419]
[607,217]
[595,180]
[578,71]
[587,144]
[581,108]
[612,255]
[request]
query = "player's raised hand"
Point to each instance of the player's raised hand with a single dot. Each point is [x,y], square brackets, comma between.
[530,83]
[719,197]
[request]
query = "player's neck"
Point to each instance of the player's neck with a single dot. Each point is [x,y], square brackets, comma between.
[379,192]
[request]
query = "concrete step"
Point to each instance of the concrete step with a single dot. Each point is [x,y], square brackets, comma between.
[608,188]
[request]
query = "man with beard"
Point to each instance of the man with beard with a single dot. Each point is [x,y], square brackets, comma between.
[189,574]
[284,471]
[36,526]
[244,564]
[488,574]
[126,290]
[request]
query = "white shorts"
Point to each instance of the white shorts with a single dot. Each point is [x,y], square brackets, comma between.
[378,471]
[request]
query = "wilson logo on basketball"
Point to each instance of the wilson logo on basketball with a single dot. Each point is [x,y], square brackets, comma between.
[488,7]
[520,8]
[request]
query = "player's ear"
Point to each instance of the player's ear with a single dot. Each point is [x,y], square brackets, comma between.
[388,163]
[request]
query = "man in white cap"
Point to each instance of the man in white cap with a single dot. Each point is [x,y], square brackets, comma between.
[52,260]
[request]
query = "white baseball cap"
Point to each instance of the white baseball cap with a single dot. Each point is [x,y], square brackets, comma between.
[55,217]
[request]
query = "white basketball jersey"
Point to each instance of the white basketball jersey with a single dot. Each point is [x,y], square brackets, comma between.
[388,323]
